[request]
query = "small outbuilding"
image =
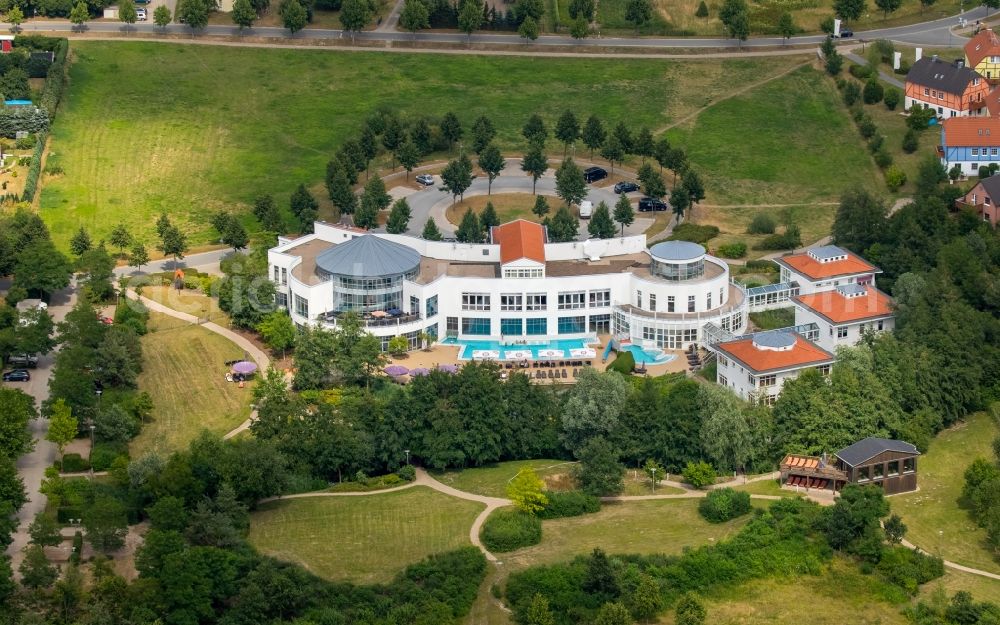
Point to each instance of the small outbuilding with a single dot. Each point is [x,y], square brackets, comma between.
[890,464]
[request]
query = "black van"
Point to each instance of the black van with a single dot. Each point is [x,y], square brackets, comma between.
[593,174]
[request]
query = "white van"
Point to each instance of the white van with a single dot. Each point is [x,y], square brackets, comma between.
[586,209]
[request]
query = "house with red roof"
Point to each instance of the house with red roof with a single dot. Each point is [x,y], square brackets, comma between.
[982,53]
[983,199]
[949,89]
[970,143]
[522,248]
[825,267]
[845,313]
[756,366]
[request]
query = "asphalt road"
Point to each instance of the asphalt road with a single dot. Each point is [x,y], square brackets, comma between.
[936,32]
[207,262]
[31,467]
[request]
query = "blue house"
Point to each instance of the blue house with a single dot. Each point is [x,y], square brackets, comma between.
[970,142]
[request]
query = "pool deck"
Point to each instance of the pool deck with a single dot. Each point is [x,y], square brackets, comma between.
[448,355]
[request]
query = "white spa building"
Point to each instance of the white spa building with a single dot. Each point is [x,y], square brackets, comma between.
[517,289]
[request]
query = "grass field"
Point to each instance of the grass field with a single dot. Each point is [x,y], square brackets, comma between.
[214,127]
[187,300]
[492,480]
[814,222]
[509,206]
[936,522]
[783,142]
[183,371]
[765,487]
[657,526]
[362,539]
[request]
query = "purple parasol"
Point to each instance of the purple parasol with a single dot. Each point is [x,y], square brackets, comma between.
[396,370]
[244,366]
[420,371]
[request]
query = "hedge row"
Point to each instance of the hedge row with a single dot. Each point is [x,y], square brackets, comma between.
[52,92]
[34,170]
[569,503]
[507,530]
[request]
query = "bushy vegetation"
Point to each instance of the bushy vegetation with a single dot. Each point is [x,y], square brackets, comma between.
[694,232]
[981,493]
[624,363]
[724,504]
[732,250]
[568,504]
[699,474]
[791,238]
[507,530]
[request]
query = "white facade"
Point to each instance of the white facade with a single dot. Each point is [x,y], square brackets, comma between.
[848,334]
[753,386]
[463,291]
[824,268]
[756,367]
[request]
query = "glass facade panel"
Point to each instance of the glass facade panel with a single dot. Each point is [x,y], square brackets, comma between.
[572,325]
[537,327]
[600,324]
[301,306]
[511,327]
[432,305]
[479,326]
[676,272]
[432,332]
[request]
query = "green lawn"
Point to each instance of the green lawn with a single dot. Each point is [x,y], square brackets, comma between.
[773,319]
[982,588]
[362,539]
[656,526]
[213,127]
[184,373]
[936,522]
[492,480]
[789,141]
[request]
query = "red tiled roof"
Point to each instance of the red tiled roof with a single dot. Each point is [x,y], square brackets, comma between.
[520,239]
[803,354]
[840,309]
[985,44]
[815,270]
[973,131]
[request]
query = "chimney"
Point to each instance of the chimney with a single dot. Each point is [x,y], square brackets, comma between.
[959,63]
[920,53]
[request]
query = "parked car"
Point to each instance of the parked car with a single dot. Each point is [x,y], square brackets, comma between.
[846,32]
[593,174]
[425,179]
[626,186]
[140,15]
[647,204]
[17,375]
[23,361]
[586,209]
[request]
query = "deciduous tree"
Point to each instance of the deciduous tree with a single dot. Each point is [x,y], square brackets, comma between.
[535,165]
[278,331]
[63,426]
[138,256]
[243,14]
[105,523]
[613,151]
[786,26]
[173,243]
[849,10]
[194,13]
[492,162]
[488,218]
[120,237]
[470,17]
[414,16]
[408,156]
[457,176]
[355,15]
[162,16]
[80,242]
[525,490]
[127,13]
[451,129]
[624,215]
[78,15]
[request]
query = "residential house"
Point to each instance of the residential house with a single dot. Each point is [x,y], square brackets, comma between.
[983,199]
[825,267]
[950,89]
[889,464]
[757,366]
[982,53]
[970,142]
[845,313]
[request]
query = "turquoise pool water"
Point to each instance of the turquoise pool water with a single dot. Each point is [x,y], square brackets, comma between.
[469,346]
[650,358]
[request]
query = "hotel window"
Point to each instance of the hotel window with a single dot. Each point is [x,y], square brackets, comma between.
[638,299]
[536,301]
[572,325]
[842,332]
[909,465]
[600,299]
[723,361]
[975,151]
[670,303]
[652,302]
[301,306]
[275,273]
[479,326]
[690,303]
[281,299]
[894,467]
[432,332]
[536,327]
[432,305]
[723,381]
[451,326]
[767,380]
[572,301]
[708,301]
[284,276]
[927,91]
[475,301]
[600,324]
[511,302]
[511,327]
[522,273]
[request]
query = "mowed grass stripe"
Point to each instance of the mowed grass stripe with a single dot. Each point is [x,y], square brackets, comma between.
[150,127]
[184,374]
[363,539]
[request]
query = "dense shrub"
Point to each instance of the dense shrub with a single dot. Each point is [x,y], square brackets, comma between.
[624,363]
[891,98]
[26,143]
[883,159]
[74,463]
[904,68]
[733,250]
[920,117]
[74,557]
[407,472]
[873,91]
[876,142]
[894,178]
[694,233]
[787,240]
[908,569]
[69,514]
[507,530]
[762,223]
[724,504]
[851,93]
[759,265]
[103,454]
[861,72]
[911,141]
[569,503]
[699,474]
[34,170]
[867,127]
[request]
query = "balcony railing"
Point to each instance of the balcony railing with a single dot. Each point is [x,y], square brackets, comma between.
[373,322]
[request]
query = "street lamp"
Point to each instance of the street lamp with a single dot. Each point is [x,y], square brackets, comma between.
[653,471]
[407,452]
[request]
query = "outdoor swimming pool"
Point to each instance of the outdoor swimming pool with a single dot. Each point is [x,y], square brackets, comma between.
[650,358]
[563,345]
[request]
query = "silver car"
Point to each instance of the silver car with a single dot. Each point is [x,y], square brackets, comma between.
[425,179]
